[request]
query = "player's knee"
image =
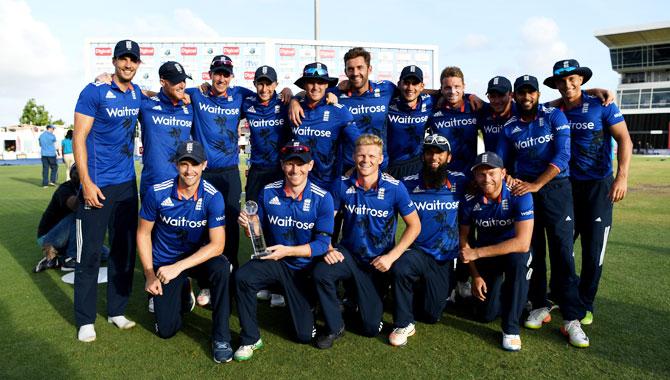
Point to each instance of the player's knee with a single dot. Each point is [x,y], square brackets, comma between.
[167,331]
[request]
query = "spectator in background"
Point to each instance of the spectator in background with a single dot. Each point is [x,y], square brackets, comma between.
[68,155]
[48,150]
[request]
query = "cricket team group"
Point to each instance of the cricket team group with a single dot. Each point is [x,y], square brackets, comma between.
[331,168]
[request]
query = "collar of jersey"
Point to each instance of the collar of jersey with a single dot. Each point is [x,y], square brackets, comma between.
[317,105]
[512,111]
[405,106]
[306,192]
[164,99]
[269,103]
[465,107]
[537,115]
[114,86]
[562,107]
[422,184]
[224,95]
[504,194]
[369,91]
[354,179]
[175,191]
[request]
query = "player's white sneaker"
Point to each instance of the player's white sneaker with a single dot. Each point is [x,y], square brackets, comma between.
[86,333]
[263,295]
[399,335]
[277,300]
[538,317]
[511,342]
[246,352]
[464,289]
[573,330]
[121,322]
[204,297]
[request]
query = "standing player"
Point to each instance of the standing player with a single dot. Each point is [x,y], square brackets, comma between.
[104,128]
[492,117]
[499,256]
[427,265]
[266,115]
[407,117]
[49,152]
[324,127]
[181,234]
[592,127]
[166,122]
[537,141]
[370,201]
[297,217]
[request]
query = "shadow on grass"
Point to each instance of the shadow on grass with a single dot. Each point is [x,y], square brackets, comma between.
[649,248]
[31,181]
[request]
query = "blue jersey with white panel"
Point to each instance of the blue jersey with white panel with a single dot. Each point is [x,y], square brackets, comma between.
[590,138]
[406,127]
[323,130]
[492,125]
[370,217]
[308,219]
[181,226]
[110,143]
[438,212]
[369,110]
[459,126]
[215,122]
[494,219]
[269,129]
[531,146]
[164,125]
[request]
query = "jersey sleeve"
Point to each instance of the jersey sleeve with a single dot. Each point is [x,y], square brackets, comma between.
[612,115]
[149,209]
[323,228]
[561,130]
[523,207]
[403,204]
[465,211]
[338,194]
[216,216]
[89,101]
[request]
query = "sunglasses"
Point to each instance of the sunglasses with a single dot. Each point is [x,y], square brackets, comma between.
[222,62]
[315,71]
[436,139]
[294,149]
[564,70]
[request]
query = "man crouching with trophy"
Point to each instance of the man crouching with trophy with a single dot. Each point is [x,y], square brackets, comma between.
[295,217]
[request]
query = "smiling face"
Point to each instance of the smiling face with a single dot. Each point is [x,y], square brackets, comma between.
[499,102]
[125,67]
[570,86]
[526,98]
[296,171]
[433,157]
[357,71]
[489,180]
[453,89]
[265,89]
[190,172]
[173,91]
[410,89]
[368,158]
[315,89]
[220,81]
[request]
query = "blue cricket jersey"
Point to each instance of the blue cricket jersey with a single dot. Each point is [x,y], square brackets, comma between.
[268,125]
[110,143]
[459,126]
[590,138]
[181,226]
[494,219]
[215,122]
[164,125]
[438,211]
[406,127]
[531,147]
[492,126]
[369,110]
[323,129]
[370,217]
[308,219]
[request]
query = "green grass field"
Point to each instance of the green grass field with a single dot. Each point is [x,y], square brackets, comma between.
[630,337]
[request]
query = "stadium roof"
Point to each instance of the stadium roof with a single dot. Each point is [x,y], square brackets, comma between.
[635,35]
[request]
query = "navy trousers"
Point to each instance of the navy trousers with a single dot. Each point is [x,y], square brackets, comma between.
[227,181]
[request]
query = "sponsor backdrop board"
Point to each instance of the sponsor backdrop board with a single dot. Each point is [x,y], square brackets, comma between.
[287,56]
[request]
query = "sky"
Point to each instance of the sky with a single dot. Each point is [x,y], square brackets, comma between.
[43,41]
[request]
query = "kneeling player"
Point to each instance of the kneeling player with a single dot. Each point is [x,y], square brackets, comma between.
[181,234]
[297,220]
[436,193]
[504,226]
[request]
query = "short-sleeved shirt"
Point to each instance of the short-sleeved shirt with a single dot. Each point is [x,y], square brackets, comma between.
[67,146]
[530,147]
[369,111]
[308,219]
[406,127]
[590,138]
[57,208]
[370,217]
[323,129]
[269,129]
[215,122]
[438,212]
[181,225]
[164,126]
[494,219]
[459,126]
[48,144]
[491,126]
[110,143]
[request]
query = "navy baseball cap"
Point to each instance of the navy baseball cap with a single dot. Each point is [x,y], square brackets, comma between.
[488,159]
[50,126]
[526,80]
[266,72]
[173,72]
[411,71]
[500,85]
[221,63]
[295,149]
[193,150]
[437,141]
[565,68]
[316,70]
[127,47]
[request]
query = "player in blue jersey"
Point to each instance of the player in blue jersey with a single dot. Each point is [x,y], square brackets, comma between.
[324,127]
[297,217]
[166,122]
[369,201]
[406,123]
[536,140]
[592,127]
[181,234]
[499,256]
[427,265]
[266,114]
[493,116]
[104,127]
